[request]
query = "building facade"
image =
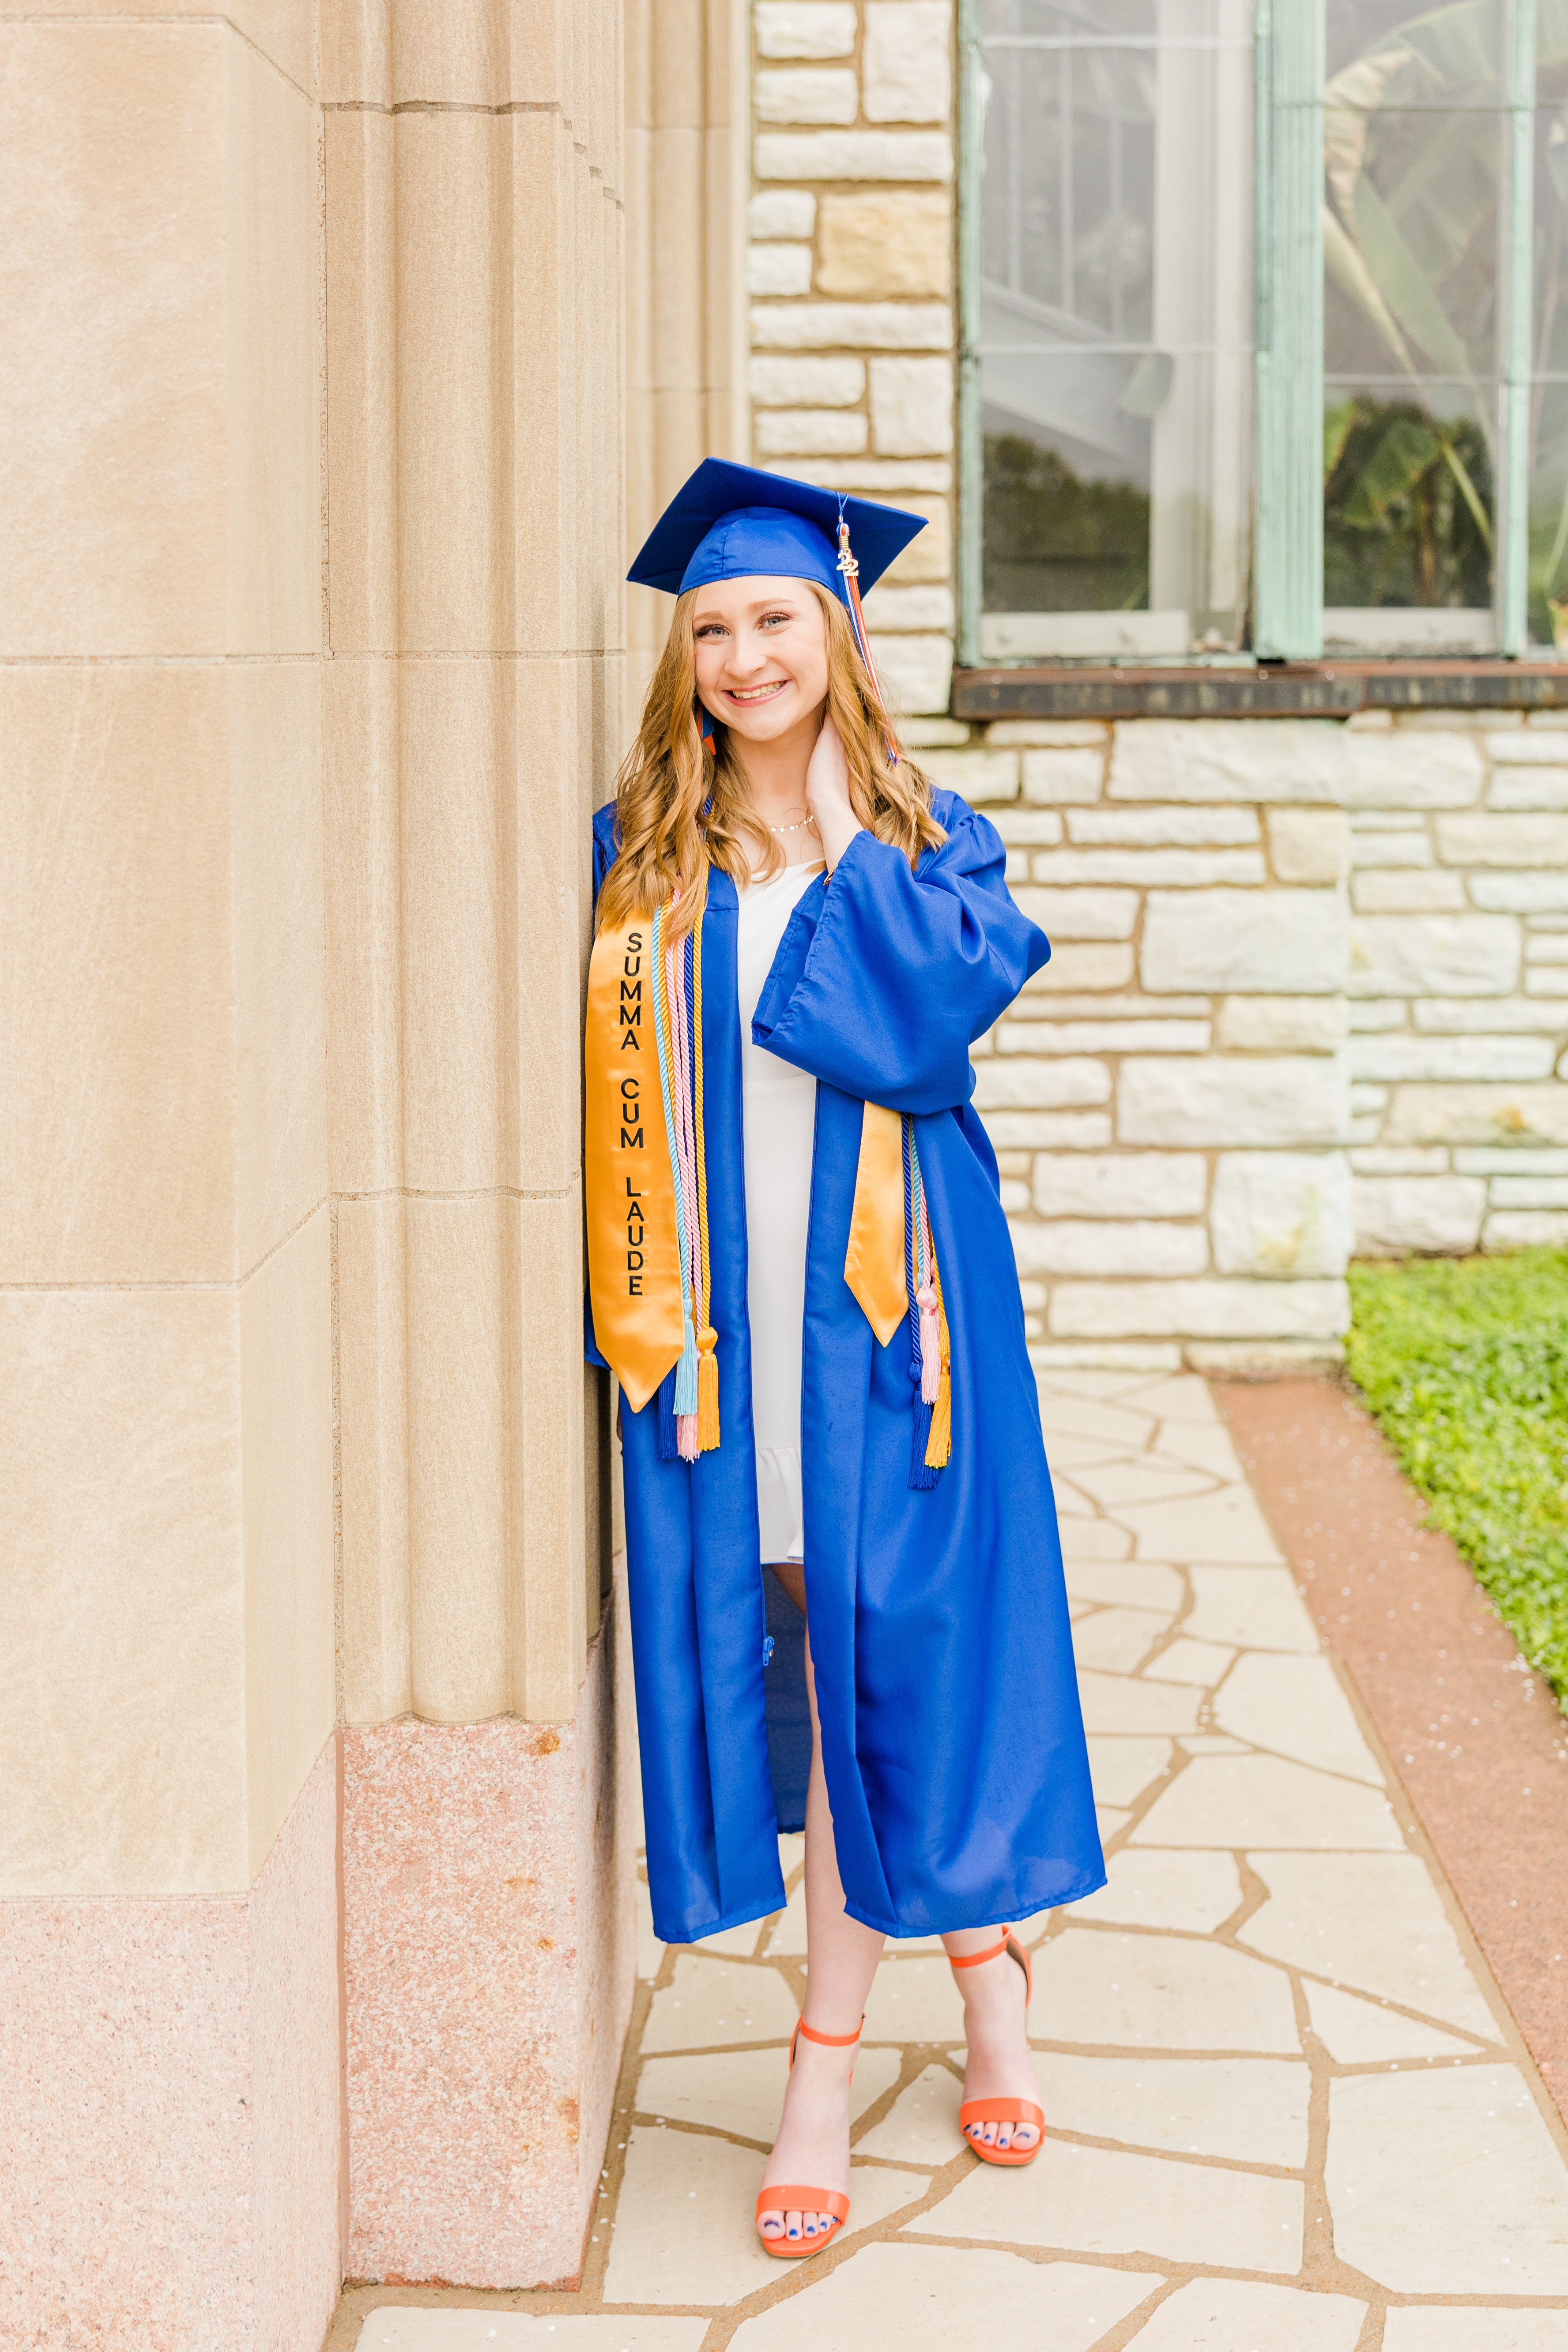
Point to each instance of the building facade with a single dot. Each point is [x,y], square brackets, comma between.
[1064,280]
[353,347]
[316,1842]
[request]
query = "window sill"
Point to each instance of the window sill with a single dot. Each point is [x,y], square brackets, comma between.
[1327,690]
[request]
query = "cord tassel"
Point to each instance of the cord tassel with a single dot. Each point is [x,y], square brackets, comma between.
[931,1343]
[707,1389]
[939,1445]
[924,1474]
[669,1444]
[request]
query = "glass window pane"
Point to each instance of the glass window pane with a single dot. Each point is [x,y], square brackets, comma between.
[1418,50]
[1548,593]
[1066,487]
[1115,319]
[1408,517]
[1549,513]
[1412,235]
[1415,230]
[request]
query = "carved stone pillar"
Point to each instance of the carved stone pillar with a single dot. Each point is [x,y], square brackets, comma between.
[312,492]
[474,231]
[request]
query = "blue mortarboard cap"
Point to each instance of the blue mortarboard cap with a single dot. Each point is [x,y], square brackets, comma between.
[731,522]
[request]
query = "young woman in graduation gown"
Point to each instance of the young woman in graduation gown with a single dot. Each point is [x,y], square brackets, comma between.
[801,1274]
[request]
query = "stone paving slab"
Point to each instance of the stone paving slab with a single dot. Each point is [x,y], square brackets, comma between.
[443,2329]
[1287,2110]
[931,2299]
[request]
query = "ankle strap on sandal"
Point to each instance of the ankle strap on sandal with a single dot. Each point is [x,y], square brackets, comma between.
[973,1959]
[831,2040]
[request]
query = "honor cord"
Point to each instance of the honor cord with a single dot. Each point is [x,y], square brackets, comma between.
[685,1371]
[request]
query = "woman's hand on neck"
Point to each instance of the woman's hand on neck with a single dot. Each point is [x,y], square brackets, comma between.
[775,772]
[827,793]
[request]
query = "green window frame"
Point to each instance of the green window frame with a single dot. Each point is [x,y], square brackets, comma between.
[1288,362]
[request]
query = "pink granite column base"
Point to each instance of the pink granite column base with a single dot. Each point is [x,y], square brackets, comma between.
[170,2113]
[488,1963]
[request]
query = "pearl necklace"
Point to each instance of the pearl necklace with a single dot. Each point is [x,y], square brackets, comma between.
[806,824]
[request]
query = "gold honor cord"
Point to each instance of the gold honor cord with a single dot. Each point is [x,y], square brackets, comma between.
[633,1261]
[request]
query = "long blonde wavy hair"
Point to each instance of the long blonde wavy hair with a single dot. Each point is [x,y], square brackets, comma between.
[666,778]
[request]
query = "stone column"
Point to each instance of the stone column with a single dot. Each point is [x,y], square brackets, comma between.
[473,405]
[169,2009]
[314,1910]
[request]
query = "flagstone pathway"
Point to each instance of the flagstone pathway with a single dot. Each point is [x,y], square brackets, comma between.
[1287,2110]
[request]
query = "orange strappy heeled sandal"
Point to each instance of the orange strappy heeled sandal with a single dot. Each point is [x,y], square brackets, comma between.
[1015,2111]
[788,2197]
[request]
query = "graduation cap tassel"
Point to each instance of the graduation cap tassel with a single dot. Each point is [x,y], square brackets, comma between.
[850,570]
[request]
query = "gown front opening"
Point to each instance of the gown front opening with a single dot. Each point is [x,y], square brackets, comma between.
[779,1122]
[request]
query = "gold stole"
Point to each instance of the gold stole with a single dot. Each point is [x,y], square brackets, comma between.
[874,1262]
[634,1260]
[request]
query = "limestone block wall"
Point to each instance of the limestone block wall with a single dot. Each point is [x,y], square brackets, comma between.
[1459,987]
[849,269]
[1309,998]
[1167,1098]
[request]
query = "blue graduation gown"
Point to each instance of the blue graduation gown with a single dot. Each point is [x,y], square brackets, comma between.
[952,1737]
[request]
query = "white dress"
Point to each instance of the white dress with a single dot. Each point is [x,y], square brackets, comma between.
[779,1109]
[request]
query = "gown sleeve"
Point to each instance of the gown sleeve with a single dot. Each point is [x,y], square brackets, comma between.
[880,988]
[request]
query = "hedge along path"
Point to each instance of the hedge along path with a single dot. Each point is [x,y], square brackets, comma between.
[1464,1365]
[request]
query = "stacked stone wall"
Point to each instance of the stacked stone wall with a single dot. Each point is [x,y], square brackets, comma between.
[1308,999]
[1167,1097]
[1458,984]
[849,270]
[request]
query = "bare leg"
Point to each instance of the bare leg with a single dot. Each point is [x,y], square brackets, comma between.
[812,2143]
[996,2026]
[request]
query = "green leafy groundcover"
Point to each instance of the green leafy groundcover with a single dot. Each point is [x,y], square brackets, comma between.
[1464,1363]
